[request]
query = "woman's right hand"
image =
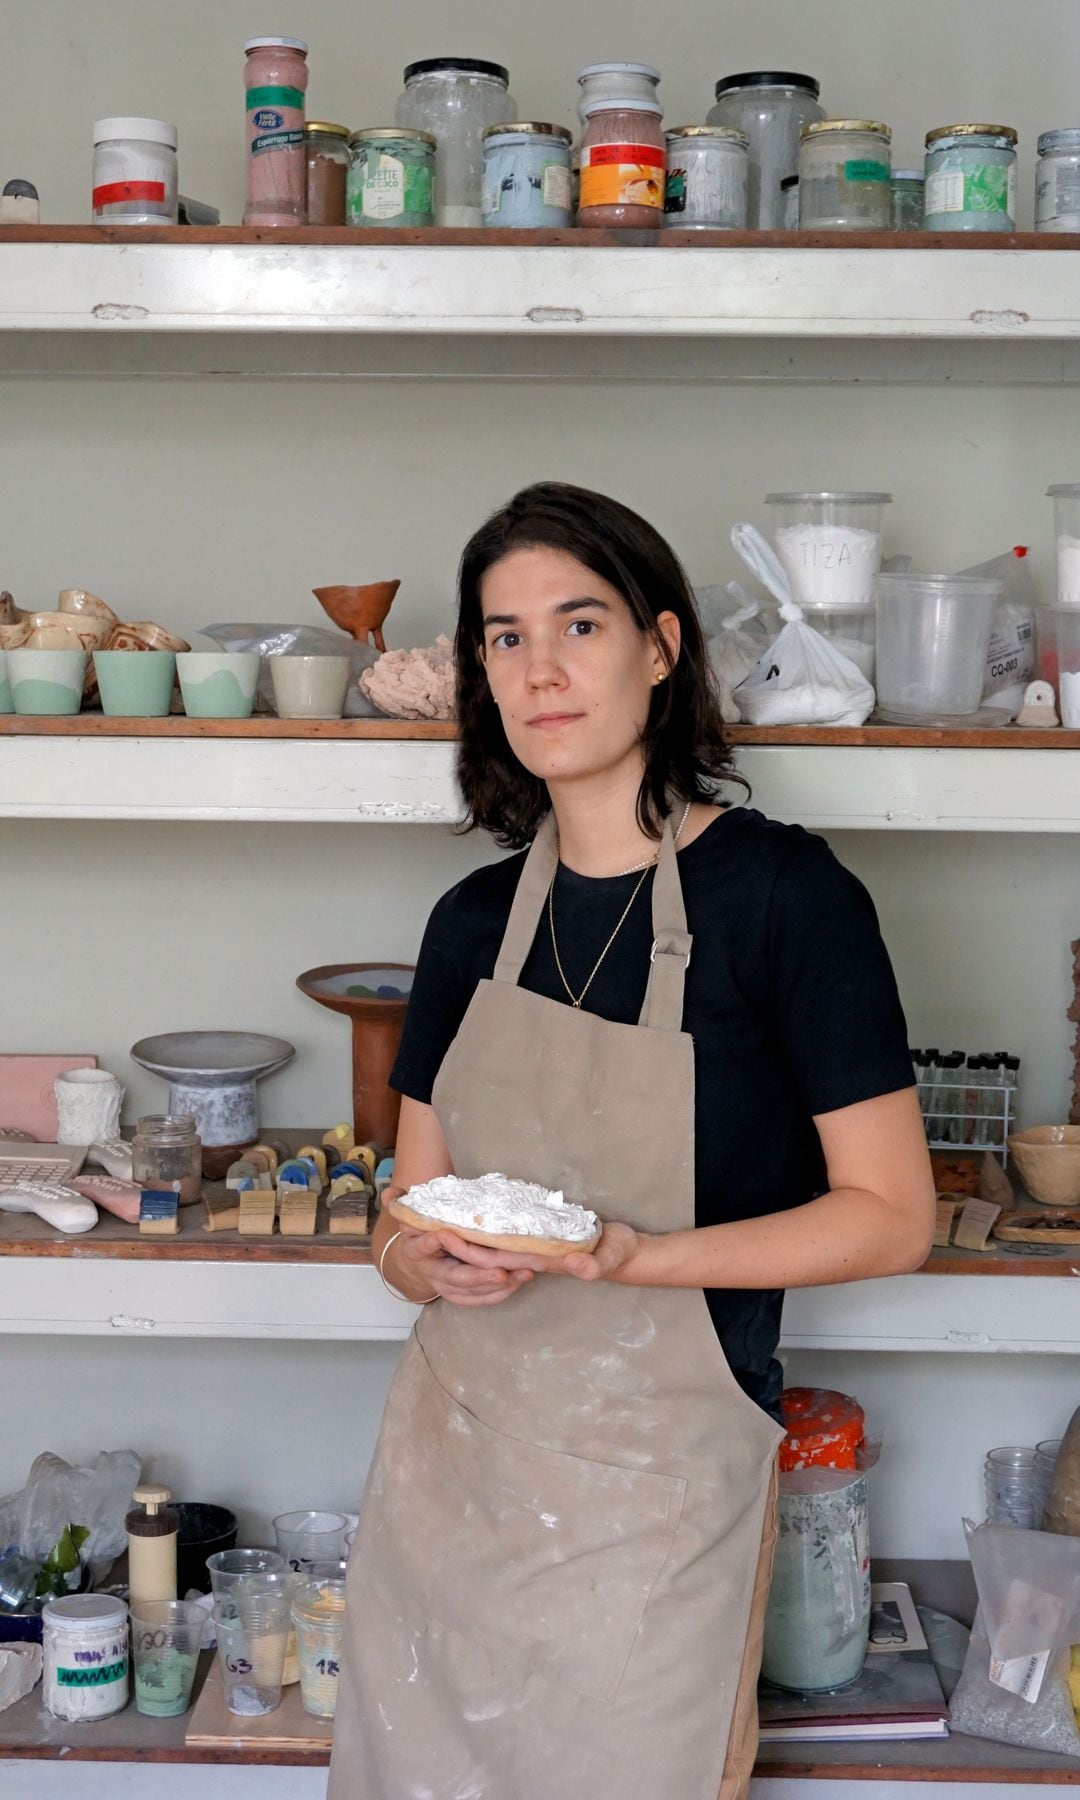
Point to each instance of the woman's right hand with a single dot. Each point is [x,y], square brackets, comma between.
[425,1265]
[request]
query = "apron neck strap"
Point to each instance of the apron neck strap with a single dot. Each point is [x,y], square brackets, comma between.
[662,1009]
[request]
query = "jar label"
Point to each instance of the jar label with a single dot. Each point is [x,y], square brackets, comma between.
[864,168]
[986,187]
[555,186]
[622,175]
[259,97]
[391,188]
[114,193]
[101,1676]
[275,140]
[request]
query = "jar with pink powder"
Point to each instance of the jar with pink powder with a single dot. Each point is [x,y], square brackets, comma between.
[275,79]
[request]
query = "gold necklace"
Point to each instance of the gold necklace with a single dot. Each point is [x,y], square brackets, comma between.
[576,999]
[655,857]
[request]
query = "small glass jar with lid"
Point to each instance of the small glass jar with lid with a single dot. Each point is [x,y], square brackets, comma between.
[85,1644]
[705,178]
[391,177]
[773,108]
[166,1152]
[906,199]
[455,99]
[527,180]
[970,178]
[327,149]
[622,166]
[844,175]
[1057,181]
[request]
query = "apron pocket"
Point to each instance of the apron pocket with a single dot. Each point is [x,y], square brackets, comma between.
[551,1556]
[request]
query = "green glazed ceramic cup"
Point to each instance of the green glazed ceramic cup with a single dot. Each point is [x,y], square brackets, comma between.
[46,683]
[218,684]
[135,684]
[7,704]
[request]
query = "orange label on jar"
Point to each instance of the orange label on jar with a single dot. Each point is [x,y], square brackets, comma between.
[622,175]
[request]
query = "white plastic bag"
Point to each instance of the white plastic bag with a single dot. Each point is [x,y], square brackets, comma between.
[802,679]
[736,641]
[1010,661]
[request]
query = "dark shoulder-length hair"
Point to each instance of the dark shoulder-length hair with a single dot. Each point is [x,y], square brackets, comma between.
[685,752]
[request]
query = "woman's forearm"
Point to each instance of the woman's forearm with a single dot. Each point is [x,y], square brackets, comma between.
[845,1235]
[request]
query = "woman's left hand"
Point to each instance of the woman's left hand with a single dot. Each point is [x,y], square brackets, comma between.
[618,1243]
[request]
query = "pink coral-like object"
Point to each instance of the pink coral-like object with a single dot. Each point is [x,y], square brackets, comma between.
[414,684]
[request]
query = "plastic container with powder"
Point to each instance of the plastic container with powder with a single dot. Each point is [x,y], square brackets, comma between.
[829,545]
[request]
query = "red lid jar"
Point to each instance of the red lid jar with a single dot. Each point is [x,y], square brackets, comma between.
[825,1430]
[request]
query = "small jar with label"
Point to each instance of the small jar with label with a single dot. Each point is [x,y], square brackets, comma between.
[1057,181]
[622,166]
[391,177]
[85,1641]
[844,175]
[327,150]
[166,1152]
[906,199]
[705,178]
[970,178]
[135,179]
[275,82]
[527,181]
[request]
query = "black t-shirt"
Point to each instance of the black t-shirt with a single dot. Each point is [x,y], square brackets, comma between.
[790,1000]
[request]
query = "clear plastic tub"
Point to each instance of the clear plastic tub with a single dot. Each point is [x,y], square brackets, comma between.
[1066,498]
[1061,626]
[1013,1487]
[851,630]
[933,636]
[829,544]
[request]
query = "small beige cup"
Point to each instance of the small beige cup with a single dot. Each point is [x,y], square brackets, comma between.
[309,687]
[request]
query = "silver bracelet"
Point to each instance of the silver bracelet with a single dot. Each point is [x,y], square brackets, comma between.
[398,1295]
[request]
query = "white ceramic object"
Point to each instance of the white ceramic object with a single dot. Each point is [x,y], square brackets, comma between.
[20,1671]
[58,1206]
[212,1074]
[113,1156]
[88,1106]
[309,687]
[218,684]
[46,683]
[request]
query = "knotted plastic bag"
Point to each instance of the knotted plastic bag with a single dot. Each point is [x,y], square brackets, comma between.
[736,638]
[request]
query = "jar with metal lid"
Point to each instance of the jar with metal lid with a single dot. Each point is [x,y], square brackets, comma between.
[789,187]
[970,178]
[844,175]
[166,1152]
[622,166]
[85,1641]
[135,179]
[906,199]
[773,108]
[1057,181]
[706,169]
[275,82]
[327,150]
[624,82]
[391,177]
[527,181]
[455,99]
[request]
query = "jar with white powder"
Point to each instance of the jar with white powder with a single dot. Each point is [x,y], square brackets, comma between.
[829,545]
[86,1656]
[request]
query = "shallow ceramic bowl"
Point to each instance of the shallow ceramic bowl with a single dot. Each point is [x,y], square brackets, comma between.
[1048,1160]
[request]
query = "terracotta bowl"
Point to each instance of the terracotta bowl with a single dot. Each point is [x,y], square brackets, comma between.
[1048,1160]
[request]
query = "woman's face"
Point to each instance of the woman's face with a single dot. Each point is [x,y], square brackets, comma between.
[568,668]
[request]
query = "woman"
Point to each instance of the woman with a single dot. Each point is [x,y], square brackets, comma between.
[683,1016]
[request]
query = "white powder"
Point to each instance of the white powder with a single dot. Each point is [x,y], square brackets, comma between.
[1069,693]
[1068,561]
[830,565]
[503,1207]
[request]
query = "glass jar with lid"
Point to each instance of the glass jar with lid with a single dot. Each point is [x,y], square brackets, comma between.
[327,148]
[275,82]
[391,177]
[1057,181]
[622,166]
[906,199]
[166,1152]
[970,178]
[844,176]
[773,108]
[456,98]
[705,178]
[527,180]
[623,81]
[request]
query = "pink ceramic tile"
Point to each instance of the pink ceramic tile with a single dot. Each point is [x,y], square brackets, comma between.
[27,1101]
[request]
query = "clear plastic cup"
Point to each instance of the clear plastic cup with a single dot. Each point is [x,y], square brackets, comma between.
[165,1640]
[1066,498]
[1012,1487]
[282,1584]
[318,1611]
[227,1567]
[307,1537]
[829,544]
[933,638]
[1046,1455]
[1059,631]
[251,1652]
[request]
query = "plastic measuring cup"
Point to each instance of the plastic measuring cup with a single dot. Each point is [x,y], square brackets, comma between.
[251,1651]
[1012,1487]
[308,1537]
[318,1611]
[227,1567]
[829,545]
[933,638]
[165,1639]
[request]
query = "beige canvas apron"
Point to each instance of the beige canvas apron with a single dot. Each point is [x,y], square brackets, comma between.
[559,1557]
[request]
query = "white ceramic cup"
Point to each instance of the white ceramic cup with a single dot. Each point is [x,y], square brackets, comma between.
[309,687]
[218,684]
[46,682]
[88,1102]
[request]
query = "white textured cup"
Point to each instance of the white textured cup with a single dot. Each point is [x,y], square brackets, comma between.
[88,1102]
